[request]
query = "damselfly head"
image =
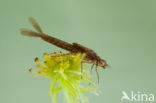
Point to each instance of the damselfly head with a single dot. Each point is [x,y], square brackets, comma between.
[103,63]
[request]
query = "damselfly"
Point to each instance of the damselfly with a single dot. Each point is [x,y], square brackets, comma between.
[91,56]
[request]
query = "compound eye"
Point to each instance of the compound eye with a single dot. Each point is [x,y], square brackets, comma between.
[104,66]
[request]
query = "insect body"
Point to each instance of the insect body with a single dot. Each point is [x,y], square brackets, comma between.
[91,56]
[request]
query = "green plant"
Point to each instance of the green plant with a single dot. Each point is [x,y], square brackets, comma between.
[65,73]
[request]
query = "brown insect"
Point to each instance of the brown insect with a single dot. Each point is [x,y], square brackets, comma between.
[91,56]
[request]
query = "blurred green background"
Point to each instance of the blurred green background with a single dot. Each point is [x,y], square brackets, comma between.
[123,32]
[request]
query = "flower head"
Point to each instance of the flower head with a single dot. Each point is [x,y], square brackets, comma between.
[66,75]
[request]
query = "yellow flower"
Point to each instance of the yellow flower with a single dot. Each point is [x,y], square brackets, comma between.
[65,73]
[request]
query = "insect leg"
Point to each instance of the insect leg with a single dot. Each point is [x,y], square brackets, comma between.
[97,71]
[81,67]
[92,67]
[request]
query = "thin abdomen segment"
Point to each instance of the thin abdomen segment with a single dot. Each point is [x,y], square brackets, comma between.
[58,42]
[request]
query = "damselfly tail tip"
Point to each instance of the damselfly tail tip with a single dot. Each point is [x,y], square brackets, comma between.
[30,18]
[35,24]
[27,32]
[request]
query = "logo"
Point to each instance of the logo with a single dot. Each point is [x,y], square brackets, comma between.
[137,97]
